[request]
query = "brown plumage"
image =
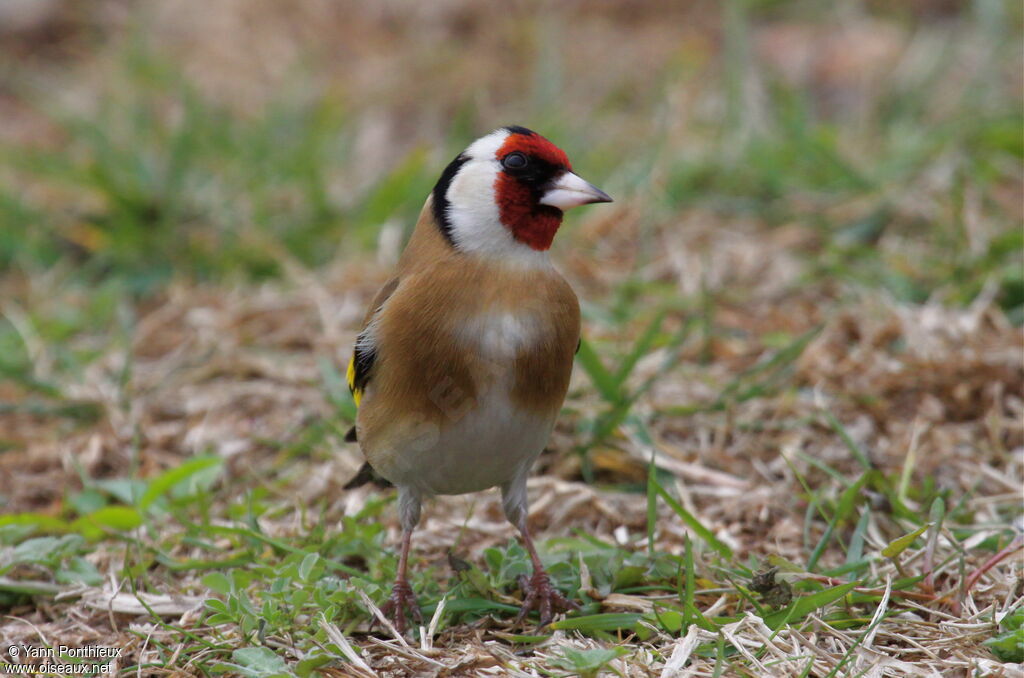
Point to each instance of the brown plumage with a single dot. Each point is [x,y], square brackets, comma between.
[436,290]
[464,356]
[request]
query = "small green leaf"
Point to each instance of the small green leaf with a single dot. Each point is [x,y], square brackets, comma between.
[898,546]
[309,665]
[259,662]
[219,618]
[79,571]
[217,581]
[86,501]
[1009,646]
[628,575]
[125,490]
[588,662]
[671,621]
[1013,620]
[37,550]
[307,565]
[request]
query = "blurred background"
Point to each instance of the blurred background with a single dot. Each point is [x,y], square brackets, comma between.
[813,266]
[144,141]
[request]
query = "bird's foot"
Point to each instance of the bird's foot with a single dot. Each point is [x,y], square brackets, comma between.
[401,602]
[540,594]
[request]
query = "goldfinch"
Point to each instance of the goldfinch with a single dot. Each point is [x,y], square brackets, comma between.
[464,356]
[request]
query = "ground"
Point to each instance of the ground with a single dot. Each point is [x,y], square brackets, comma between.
[794,439]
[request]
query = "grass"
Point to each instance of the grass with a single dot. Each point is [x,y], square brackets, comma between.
[792,445]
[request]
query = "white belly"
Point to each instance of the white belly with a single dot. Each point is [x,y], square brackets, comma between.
[480,447]
[479,442]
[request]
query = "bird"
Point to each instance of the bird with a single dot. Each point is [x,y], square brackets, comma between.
[464,356]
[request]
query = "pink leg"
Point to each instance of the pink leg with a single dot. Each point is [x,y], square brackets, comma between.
[538,591]
[402,599]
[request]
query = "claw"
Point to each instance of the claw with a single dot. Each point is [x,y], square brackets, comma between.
[539,593]
[401,602]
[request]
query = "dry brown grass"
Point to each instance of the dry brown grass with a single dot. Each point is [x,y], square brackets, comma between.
[228,368]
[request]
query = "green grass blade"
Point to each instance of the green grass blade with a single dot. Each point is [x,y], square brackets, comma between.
[612,621]
[844,435]
[901,544]
[855,549]
[818,464]
[40,522]
[603,380]
[640,348]
[108,518]
[847,503]
[163,483]
[819,549]
[652,503]
[690,583]
[779,360]
[936,516]
[849,497]
[694,524]
[805,605]
[688,596]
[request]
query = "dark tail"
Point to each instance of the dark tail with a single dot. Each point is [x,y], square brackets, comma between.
[366,475]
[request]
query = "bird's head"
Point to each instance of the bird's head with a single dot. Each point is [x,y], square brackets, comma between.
[504,195]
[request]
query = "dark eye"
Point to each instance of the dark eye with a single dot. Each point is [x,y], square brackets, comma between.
[514,161]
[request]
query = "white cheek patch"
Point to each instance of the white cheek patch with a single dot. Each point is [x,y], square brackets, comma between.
[473,212]
[473,209]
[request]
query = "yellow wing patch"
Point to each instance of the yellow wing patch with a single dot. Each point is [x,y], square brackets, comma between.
[357,393]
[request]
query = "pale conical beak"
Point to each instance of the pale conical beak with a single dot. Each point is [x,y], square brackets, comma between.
[569,190]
